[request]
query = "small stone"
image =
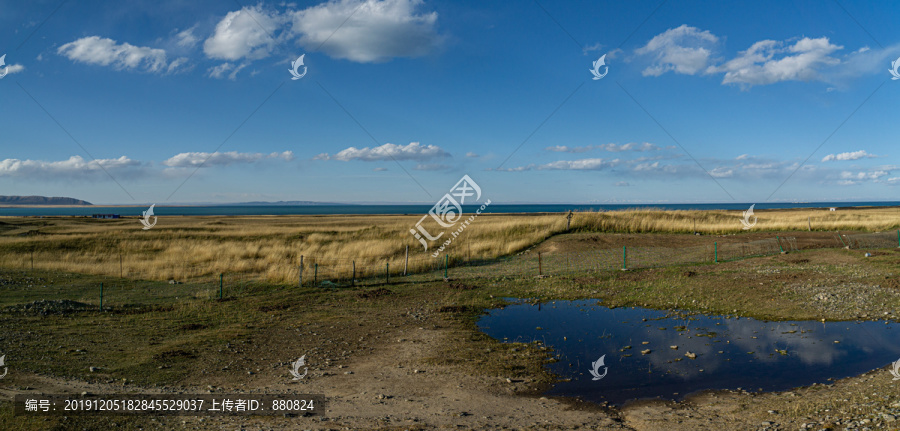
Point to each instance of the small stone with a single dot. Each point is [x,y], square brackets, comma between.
[673,347]
[691,355]
[94,369]
[645,352]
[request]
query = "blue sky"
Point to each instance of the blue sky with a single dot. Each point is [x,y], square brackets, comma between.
[166,101]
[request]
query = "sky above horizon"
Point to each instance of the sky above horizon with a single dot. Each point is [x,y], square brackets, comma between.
[702,101]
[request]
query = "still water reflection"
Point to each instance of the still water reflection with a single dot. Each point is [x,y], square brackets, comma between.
[730,352]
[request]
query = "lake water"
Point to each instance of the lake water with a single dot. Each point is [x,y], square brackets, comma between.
[237,210]
[731,352]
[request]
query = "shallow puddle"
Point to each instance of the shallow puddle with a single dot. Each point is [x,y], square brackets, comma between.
[731,353]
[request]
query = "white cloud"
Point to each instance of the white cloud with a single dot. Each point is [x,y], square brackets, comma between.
[855,155]
[244,34]
[377,30]
[175,64]
[218,71]
[106,52]
[622,184]
[567,149]
[73,167]
[196,159]
[471,155]
[413,151]
[631,146]
[380,169]
[14,68]
[684,50]
[852,178]
[186,38]
[769,61]
[569,165]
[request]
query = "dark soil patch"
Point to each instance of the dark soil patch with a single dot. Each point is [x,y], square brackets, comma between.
[461,286]
[455,309]
[377,293]
[192,327]
[275,307]
[44,307]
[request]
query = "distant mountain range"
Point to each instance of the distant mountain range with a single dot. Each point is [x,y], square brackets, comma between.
[40,200]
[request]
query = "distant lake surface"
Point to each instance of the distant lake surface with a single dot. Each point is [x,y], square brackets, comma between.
[250,210]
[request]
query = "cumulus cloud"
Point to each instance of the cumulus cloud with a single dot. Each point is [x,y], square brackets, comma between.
[414,151]
[770,61]
[377,30]
[569,165]
[244,34]
[855,155]
[196,159]
[73,167]
[852,178]
[14,68]
[685,50]
[472,155]
[631,146]
[107,52]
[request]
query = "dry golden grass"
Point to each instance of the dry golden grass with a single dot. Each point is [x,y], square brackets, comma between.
[270,247]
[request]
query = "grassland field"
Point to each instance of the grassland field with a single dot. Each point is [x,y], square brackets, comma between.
[407,354]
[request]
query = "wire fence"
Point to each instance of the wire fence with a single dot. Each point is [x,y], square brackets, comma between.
[128,285]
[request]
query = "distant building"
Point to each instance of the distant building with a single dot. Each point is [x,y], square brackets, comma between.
[105,216]
[833,209]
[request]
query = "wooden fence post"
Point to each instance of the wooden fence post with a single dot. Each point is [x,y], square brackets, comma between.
[300,282]
[406,265]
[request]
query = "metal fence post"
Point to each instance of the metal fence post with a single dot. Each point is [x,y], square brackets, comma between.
[300,278]
[716,248]
[316,274]
[540,265]
[406,265]
[446,262]
[624,258]
[779,243]
[387,273]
